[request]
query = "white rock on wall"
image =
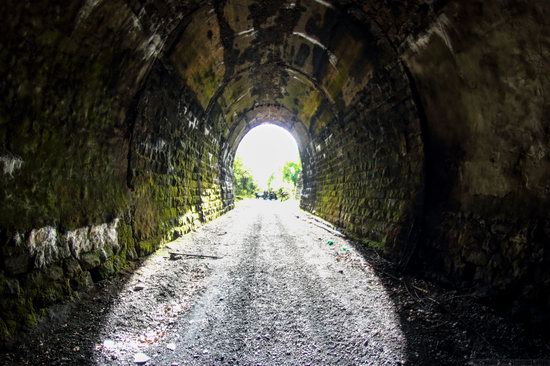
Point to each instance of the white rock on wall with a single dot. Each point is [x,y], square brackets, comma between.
[441,27]
[10,164]
[78,241]
[105,235]
[47,246]
[44,247]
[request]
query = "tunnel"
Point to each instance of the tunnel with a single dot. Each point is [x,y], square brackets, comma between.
[422,126]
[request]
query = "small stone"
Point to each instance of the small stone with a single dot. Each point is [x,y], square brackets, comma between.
[141,358]
[171,346]
[138,287]
[108,343]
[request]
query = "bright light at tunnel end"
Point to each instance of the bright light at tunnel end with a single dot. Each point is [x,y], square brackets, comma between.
[265,149]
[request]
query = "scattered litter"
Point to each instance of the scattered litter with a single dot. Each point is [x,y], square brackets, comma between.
[76,349]
[171,346]
[178,255]
[345,250]
[330,242]
[138,287]
[175,257]
[141,358]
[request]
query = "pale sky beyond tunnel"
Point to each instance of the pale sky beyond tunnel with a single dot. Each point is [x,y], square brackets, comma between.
[265,149]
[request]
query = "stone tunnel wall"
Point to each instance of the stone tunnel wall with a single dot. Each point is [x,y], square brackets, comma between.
[365,173]
[174,172]
[169,186]
[85,185]
[63,152]
[71,212]
[482,79]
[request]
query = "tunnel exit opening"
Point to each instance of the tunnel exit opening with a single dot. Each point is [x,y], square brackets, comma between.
[267,164]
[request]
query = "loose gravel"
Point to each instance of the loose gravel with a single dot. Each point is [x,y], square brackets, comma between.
[275,287]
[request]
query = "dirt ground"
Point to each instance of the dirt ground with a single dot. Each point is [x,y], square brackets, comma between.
[274,286]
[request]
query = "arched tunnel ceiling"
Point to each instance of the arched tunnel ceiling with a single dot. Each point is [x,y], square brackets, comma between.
[308,57]
[421,122]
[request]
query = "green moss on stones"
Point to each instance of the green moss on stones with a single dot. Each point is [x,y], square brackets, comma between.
[147,247]
[90,260]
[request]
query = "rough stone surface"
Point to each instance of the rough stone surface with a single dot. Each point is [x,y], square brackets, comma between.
[421,125]
[481,81]
[174,171]
[278,294]
[366,174]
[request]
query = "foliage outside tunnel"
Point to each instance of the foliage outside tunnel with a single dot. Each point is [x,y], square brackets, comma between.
[244,184]
[283,182]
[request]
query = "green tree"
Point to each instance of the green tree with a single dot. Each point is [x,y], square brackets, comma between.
[270,181]
[291,172]
[243,181]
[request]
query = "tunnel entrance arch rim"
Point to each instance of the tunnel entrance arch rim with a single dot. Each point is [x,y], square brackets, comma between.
[249,121]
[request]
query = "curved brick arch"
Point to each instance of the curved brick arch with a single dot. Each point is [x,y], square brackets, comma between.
[274,114]
[418,122]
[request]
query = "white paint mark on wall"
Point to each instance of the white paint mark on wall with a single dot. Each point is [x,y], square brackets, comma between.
[241,97]
[309,39]
[324,3]
[441,28]
[331,57]
[193,122]
[10,164]
[249,32]
[86,10]
[152,46]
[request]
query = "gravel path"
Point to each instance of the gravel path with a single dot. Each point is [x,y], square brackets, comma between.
[277,296]
[283,290]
